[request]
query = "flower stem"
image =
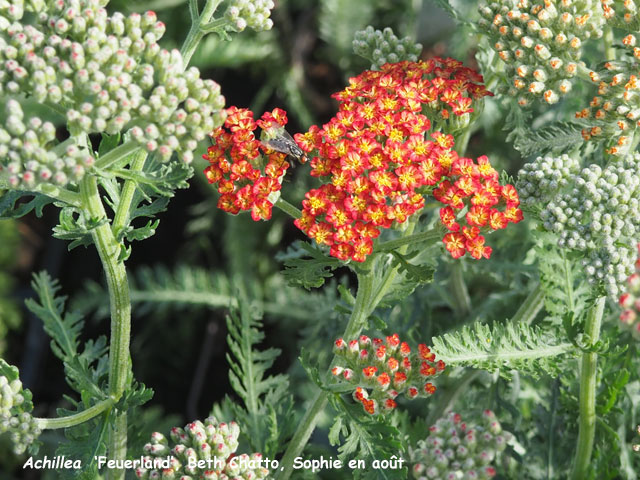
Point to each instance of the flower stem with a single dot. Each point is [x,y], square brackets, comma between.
[361,311]
[370,293]
[607,40]
[119,358]
[195,32]
[530,307]
[117,155]
[431,235]
[287,208]
[588,373]
[77,418]
[126,196]
[462,301]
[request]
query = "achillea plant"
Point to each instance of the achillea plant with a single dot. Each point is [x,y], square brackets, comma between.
[507,280]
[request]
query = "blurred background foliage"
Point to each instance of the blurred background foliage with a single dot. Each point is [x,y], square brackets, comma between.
[186,277]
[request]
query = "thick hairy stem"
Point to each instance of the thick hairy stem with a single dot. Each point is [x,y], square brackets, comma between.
[117,283]
[588,373]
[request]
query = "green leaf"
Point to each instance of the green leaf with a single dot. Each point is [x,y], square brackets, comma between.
[108,143]
[502,348]
[84,370]
[306,266]
[555,137]
[266,417]
[76,227]
[359,435]
[9,209]
[84,442]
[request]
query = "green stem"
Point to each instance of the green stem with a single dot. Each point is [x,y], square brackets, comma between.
[607,40]
[61,194]
[117,155]
[119,358]
[287,208]
[195,32]
[361,310]
[126,196]
[530,307]
[77,418]
[431,235]
[367,298]
[462,301]
[588,374]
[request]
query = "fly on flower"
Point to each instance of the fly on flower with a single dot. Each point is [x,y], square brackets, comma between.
[283,143]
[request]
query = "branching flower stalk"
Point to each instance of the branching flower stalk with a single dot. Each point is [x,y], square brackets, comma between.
[588,384]
[368,296]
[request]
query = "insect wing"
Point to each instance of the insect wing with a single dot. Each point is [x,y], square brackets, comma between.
[283,143]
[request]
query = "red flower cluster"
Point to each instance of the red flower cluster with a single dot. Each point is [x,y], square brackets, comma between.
[246,178]
[630,301]
[386,367]
[474,186]
[376,152]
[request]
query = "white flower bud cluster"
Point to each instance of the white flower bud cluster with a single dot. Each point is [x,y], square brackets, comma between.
[615,110]
[540,180]
[622,13]
[540,42]
[25,158]
[382,47]
[14,419]
[110,75]
[456,449]
[211,443]
[250,13]
[595,211]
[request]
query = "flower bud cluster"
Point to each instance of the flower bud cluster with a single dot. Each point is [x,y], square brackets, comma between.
[615,111]
[15,415]
[630,302]
[456,449]
[595,210]
[250,13]
[380,370]
[382,47]
[247,179]
[211,443]
[26,161]
[540,42]
[622,13]
[109,74]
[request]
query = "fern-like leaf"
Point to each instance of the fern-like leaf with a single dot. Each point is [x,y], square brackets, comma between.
[556,137]
[266,398]
[502,348]
[84,369]
[562,280]
[365,437]
[306,266]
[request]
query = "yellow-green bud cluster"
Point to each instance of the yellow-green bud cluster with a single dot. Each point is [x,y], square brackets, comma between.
[540,43]
[615,111]
[15,414]
[212,444]
[456,449]
[250,13]
[109,74]
[25,158]
[595,210]
[622,13]
[382,47]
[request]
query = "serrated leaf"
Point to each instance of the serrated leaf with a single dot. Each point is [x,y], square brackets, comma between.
[84,442]
[108,143]
[75,226]
[64,330]
[9,209]
[502,348]
[306,266]
[555,137]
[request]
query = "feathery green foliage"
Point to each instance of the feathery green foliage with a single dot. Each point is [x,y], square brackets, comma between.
[268,404]
[502,348]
